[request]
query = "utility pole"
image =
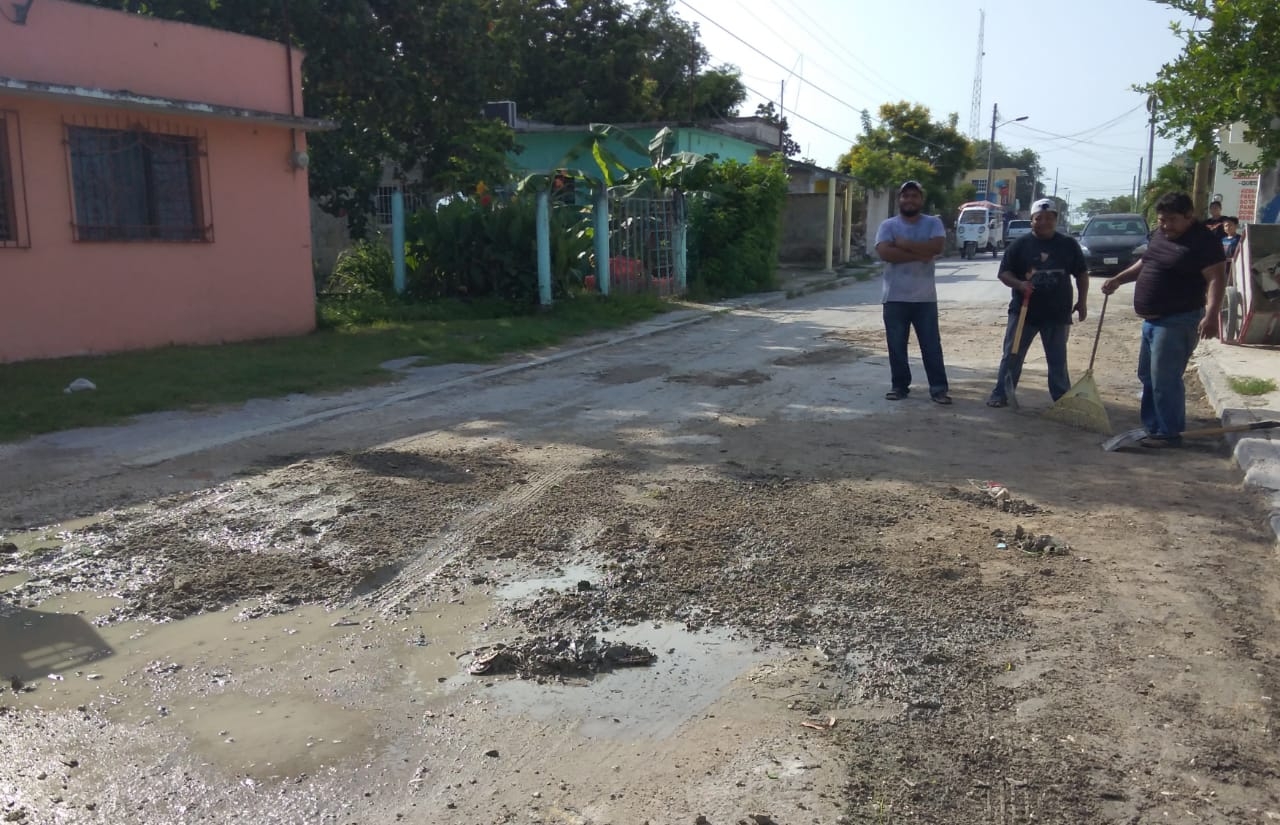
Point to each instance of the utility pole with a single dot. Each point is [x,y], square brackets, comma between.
[991,148]
[1138,191]
[1151,141]
[782,102]
[1055,182]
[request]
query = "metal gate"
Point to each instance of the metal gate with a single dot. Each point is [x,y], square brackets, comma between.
[647,244]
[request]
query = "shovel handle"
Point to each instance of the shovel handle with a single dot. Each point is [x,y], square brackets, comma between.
[1022,320]
[1239,428]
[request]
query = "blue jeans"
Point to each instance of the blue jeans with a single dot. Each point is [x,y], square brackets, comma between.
[1053,337]
[1167,344]
[900,317]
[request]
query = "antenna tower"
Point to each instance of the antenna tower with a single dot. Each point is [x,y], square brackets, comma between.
[975,111]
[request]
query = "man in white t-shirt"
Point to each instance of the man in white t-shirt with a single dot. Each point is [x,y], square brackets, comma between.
[908,243]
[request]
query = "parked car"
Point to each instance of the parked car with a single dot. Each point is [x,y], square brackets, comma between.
[1111,242]
[1016,229]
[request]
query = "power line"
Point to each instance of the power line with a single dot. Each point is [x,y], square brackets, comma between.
[809,83]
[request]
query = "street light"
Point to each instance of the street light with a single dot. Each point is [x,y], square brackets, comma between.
[991,146]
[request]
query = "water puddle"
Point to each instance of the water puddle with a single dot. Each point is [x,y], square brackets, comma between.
[271,697]
[273,736]
[692,672]
[567,580]
[50,537]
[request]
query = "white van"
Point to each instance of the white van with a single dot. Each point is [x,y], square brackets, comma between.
[980,228]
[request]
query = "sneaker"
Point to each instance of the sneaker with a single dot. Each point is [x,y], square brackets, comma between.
[896,395]
[941,398]
[1156,442]
[997,402]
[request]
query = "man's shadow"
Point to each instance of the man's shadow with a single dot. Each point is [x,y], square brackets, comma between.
[34,644]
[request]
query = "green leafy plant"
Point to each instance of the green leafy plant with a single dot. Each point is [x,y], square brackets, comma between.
[364,269]
[735,228]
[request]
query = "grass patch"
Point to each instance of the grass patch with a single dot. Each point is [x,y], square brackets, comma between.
[1252,386]
[354,338]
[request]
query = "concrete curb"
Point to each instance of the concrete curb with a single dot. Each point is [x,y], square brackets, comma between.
[1256,455]
[695,316]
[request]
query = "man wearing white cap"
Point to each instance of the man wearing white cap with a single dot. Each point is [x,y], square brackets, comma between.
[1039,268]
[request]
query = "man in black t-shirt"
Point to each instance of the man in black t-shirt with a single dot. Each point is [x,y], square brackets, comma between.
[1180,280]
[1042,265]
[1215,222]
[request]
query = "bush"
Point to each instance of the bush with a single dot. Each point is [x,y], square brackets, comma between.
[364,269]
[735,229]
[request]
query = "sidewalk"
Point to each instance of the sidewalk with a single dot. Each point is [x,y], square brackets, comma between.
[1258,454]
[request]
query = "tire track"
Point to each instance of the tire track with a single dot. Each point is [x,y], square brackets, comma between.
[460,537]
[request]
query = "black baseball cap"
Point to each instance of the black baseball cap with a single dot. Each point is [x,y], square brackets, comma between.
[911,184]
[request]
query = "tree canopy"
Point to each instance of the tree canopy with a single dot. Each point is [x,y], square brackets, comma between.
[582,61]
[1228,72]
[908,144]
[1101,206]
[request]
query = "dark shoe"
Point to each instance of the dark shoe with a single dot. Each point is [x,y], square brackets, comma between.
[1156,442]
[941,398]
[896,395]
[997,402]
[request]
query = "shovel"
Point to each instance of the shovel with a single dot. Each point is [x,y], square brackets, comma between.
[1009,386]
[1134,436]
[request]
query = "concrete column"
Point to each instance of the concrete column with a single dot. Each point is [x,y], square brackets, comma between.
[600,215]
[831,225]
[846,254]
[544,248]
[397,241]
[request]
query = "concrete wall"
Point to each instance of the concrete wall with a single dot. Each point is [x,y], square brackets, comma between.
[250,279]
[804,229]
[78,45]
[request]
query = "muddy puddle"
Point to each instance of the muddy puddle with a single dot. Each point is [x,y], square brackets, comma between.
[692,672]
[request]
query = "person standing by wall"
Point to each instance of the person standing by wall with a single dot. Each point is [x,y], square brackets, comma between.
[1040,267]
[1214,223]
[1231,226]
[1180,281]
[908,243]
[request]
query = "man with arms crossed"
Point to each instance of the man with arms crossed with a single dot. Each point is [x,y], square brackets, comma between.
[908,243]
[1180,273]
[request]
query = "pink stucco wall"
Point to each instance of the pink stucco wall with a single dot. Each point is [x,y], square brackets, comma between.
[254,280]
[79,45]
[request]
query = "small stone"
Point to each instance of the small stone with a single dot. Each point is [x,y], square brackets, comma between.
[493,753]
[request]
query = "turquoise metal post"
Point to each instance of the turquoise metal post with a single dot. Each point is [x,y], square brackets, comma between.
[544,249]
[601,215]
[397,240]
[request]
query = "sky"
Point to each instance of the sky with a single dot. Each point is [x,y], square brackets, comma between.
[1068,66]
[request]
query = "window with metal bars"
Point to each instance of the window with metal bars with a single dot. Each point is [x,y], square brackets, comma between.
[135,185]
[8,214]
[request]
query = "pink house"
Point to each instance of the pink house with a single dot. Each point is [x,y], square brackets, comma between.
[153,185]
